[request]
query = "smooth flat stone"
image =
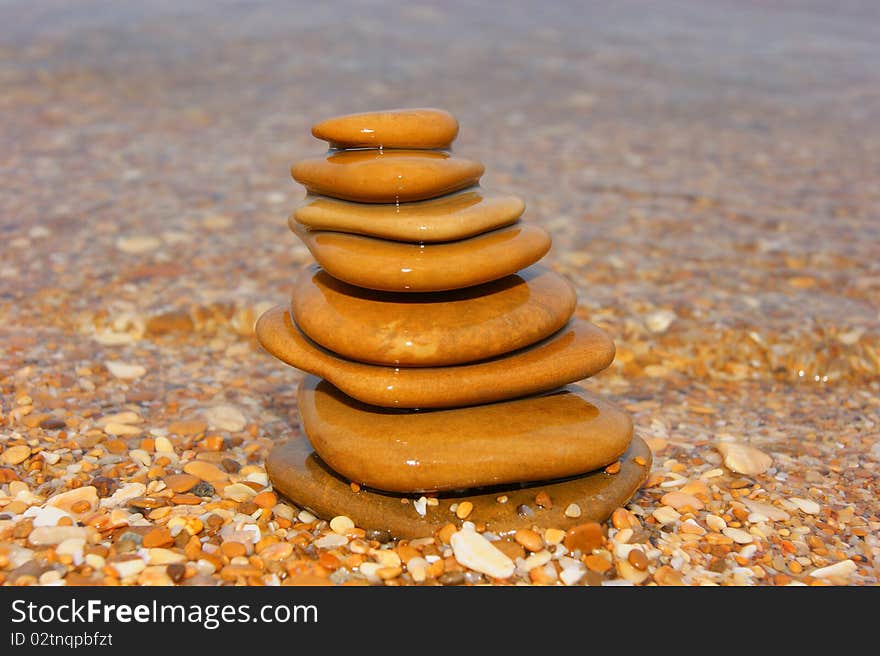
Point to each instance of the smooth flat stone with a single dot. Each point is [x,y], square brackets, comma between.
[386,176]
[400,267]
[392,128]
[453,216]
[564,433]
[577,351]
[431,329]
[297,473]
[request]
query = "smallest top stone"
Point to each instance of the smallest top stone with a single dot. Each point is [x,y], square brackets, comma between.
[394,128]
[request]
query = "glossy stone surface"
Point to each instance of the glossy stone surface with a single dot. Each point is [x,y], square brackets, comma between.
[386,176]
[393,128]
[563,433]
[454,216]
[397,266]
[296,472]
[431,329]
[577,351]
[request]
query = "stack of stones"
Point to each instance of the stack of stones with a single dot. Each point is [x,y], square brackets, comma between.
[440,352]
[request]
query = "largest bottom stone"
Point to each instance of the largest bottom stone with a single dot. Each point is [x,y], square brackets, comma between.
[297,473]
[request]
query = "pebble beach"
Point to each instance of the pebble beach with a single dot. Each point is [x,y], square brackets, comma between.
[709,174]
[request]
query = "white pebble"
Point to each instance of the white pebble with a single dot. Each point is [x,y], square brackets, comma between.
[571,575]
[306,517]
[623,535]
[51,577]
[48,535]
[842,569]
[369,570]
[248,533]
[72,547]
[160,556]
[331,541]
[46,516]
[538,559]
[225,417]
[205,567]
[716,523]
[417,568]
[421,505]
[95,561]
[386,557]
[124,494]
[712,473]
[138,244]
[738,535]
[141,456]
[659,321]
[697,529]
[163,445]
[125,417]
[128,568]
[666,515]
[748,551]
[744,459]
[124,370]
[806,505]
[473,550]
[573,510]
[261,478]
[767,510]
[283,510]
[341,524]
[239,492]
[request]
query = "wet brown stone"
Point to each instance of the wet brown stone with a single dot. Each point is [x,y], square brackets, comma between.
[453,216]
[584,537]
[386,176]
[431,329]
[297,473]
[180,482]
[400,267]
[555,435]
[392,128]
[577,351]
[53,423]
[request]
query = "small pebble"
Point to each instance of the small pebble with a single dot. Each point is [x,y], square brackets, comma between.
[542,500]
[529,539]
[15,455]
[666,515]
[341,524]
[202,489]
[205,471]
[474,551]
[176,572]
[382,536]
[225,417]
[738,535]
[679,500]
[806,505]
[744,459]
[125,370]
[842,569]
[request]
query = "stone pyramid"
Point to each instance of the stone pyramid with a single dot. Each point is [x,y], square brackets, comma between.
[440,353]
